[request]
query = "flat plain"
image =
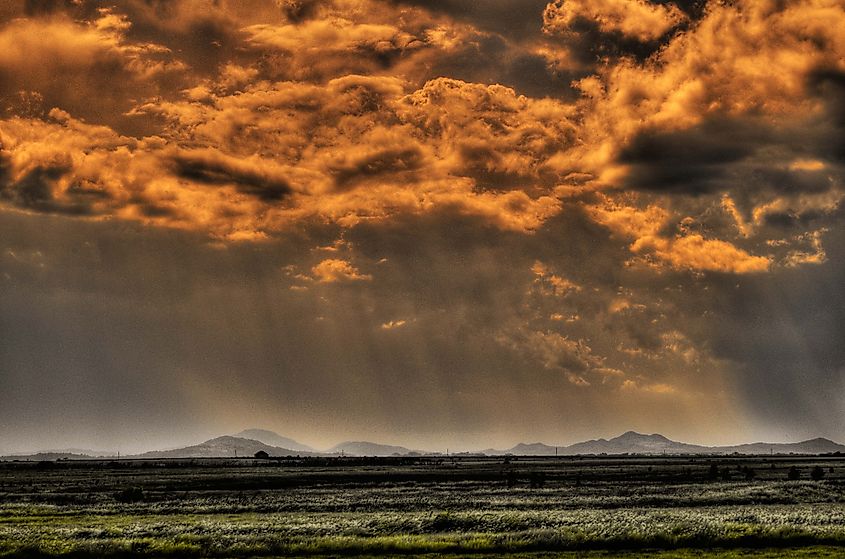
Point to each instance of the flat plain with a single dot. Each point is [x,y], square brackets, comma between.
[668,507]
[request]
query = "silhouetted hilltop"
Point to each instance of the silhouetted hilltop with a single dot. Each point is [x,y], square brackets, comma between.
[273,439]
[225,446]
[637,443]
[230,446]
[813,446]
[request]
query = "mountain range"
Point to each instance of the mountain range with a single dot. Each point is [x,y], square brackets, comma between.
[637,443]
[247,443]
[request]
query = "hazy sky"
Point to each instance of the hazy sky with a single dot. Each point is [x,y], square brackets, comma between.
[433,223]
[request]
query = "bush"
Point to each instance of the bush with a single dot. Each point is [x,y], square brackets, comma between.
[817,473]
[794,473]
[130,495]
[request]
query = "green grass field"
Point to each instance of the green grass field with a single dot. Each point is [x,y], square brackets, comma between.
[677,507]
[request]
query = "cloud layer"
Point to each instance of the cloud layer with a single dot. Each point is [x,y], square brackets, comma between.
[574,195]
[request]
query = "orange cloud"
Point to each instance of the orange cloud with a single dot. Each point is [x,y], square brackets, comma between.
[319,112]
[89,69]
[711,255]
[685,251]
[333,270]
[552,283]
[637,19]
[361,148]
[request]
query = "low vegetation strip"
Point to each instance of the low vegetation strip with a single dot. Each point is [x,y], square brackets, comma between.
[529,507]
[220,535]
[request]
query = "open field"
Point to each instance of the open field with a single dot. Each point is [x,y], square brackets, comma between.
[584,507]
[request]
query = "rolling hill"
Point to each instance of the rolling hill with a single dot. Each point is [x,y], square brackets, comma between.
[638,443]
[225,446]
[273,439]
[246,443]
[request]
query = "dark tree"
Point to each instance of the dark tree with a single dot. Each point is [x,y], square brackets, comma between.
[817,473]
[794,473]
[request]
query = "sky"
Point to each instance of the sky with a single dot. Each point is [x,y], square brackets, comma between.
[441,223]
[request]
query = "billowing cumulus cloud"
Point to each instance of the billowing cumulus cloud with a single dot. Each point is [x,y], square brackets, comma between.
[566,206]
[638,19]
[87,68]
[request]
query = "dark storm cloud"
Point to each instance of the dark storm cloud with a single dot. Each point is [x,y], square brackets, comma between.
[720,152]
[34,191]
[513,18]
[829,86]
[212,167]
[691,161]
[493,59]
[595,33]
[372,165]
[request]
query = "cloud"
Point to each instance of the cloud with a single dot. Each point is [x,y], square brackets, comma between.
[331,111]
[58,165]
[88,68]
[657,388]
[697,253]
[254,176]
[333,270]
[552,283]
[363,147]
[515,18]
[553,351]
[638,19]
[624,205]
[685,250]
[319,49]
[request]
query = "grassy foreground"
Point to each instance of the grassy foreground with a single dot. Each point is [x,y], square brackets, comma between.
[46,531]
[657,509]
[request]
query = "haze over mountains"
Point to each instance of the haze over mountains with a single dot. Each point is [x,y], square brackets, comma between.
[637,443]
[248,442]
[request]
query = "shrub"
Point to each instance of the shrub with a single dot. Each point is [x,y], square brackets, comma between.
[794,473]
[130,495]
[817,473]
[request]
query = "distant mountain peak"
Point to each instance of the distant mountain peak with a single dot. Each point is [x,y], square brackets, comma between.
[273,439]
[224,446]
[634,436]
